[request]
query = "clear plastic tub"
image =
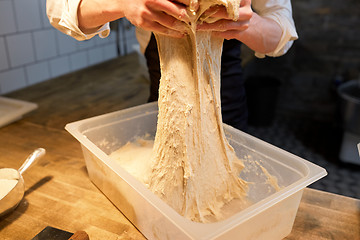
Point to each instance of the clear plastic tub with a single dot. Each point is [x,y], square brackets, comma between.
[270,217]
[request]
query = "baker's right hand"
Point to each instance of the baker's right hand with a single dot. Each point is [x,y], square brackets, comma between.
[224,26]
[160,16]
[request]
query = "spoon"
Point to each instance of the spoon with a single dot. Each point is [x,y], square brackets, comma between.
[12,199]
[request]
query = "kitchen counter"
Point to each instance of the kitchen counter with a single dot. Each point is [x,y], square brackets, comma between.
[58,190]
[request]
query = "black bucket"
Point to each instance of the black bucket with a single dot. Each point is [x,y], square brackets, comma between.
[350,105]
[262,96]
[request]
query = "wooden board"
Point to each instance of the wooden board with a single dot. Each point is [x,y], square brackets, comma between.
[323,215]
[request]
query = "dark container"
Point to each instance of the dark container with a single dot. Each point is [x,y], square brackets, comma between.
[350,105]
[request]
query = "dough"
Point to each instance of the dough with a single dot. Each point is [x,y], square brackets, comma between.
[193,167]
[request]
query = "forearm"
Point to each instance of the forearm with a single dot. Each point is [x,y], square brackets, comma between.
[95,13]
[262,35]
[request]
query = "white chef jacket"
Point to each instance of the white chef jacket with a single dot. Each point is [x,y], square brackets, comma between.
[63,16]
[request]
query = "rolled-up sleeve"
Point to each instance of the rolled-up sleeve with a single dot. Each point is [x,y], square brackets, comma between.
[62,15]
[279,11]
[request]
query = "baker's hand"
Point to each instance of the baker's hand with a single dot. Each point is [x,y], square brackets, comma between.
[160,16]
[225,27]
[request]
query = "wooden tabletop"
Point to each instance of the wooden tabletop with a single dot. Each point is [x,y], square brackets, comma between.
[60,194]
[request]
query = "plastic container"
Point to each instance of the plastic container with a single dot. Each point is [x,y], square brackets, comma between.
[270,217]
[13,109]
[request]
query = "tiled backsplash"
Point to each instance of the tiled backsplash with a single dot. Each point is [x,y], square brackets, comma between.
[31,50]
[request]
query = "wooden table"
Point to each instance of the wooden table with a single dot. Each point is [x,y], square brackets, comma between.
[58,190]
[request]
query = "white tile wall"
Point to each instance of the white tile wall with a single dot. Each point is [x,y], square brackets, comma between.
[44,19]
[4,64]
[112,37]
[82,45]
[129,47]
[12,80]
[27,14]
[127,35]
[130,34]
[95,55]
[20,48]
[7,19]
[101,41]
[66,43]
[59,66]
[32,51]
[109,39]
[38,72]
[45,44]
[109,51]
[78,60]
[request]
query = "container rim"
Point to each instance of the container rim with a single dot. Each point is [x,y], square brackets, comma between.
[343,87]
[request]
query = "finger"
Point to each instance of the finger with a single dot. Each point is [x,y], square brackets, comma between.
[169,22]
[245,3]
[158,28]
[152,20]
[220,12]
[176,10]
[224,25]
[216,12]
[245,11]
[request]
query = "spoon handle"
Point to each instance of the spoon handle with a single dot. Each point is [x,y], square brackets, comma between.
[33,157]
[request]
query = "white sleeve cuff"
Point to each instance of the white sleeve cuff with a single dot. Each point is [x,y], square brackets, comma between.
[70,26]
[288,34]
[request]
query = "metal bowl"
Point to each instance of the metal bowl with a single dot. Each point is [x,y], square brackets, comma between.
[12,199]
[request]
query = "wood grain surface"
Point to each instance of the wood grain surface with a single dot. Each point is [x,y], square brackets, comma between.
[58,190]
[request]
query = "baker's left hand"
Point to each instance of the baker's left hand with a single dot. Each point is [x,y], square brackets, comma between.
[226,27]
